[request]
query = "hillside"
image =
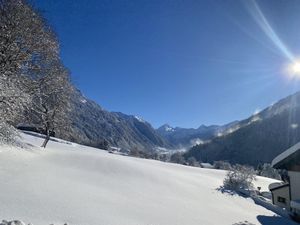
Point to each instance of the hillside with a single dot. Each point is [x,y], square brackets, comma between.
[258,139]
[92,125]
[81,185]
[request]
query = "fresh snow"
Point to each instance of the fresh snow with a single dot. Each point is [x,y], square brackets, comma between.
[139,119]
[171,129]
[79,185]
[83,101]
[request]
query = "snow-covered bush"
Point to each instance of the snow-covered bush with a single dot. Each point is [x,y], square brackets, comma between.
[239,177]
[8,134]
[266,170]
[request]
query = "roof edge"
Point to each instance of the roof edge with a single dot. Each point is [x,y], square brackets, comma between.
[285,154]
[279,186]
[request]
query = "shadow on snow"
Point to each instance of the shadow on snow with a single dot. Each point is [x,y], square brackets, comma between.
[269,220]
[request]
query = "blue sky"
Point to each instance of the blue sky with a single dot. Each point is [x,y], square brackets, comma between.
[185,63]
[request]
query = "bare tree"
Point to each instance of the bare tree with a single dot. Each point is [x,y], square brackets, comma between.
[24,37]
[32,77]
[51,100]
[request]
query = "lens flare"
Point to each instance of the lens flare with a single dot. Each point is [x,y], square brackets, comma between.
[292,69]
[266,27]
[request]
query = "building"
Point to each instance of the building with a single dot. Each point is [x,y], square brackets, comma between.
[206,165]
[281,194]
[287,194]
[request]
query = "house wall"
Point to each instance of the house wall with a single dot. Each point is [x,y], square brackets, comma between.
[295,185]
[283,192]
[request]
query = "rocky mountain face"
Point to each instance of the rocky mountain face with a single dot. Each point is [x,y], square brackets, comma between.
[188,137]
[92,125]
[258,139]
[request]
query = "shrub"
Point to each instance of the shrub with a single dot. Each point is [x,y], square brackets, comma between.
[239,177]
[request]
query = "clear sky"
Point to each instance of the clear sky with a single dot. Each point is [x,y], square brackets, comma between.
[181,62]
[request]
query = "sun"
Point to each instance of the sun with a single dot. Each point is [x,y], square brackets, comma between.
[296,68]
[293,69]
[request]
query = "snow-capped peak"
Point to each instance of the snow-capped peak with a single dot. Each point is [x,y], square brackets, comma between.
[139,119]
[167,128]
[170,129]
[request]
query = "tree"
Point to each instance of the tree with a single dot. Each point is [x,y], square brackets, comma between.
[239,177]
[25,39]
[193,162]
[266,170]
[32,77]
[177,158]
[51,100]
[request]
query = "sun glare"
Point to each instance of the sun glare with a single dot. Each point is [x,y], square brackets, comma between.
[294,69]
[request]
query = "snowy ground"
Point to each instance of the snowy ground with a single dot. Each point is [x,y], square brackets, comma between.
[85,186]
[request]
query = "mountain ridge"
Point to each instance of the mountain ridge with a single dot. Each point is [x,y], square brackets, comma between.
[257,139]
[187,137]
[92,125]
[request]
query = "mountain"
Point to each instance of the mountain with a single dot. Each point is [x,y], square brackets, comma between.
[258,139]
[188,137]
[93,126]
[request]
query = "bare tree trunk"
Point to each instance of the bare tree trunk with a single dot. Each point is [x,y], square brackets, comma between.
[47,138]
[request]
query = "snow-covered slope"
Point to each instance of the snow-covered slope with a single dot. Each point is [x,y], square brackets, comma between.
[85,186]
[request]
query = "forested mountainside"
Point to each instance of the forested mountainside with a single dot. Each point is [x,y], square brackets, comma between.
[258,139]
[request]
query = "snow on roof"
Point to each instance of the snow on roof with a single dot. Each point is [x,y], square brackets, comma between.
[286,154]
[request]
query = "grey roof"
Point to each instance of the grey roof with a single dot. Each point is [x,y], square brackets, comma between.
[288,157]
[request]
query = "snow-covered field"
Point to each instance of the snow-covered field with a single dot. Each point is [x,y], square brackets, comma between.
[85,186]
